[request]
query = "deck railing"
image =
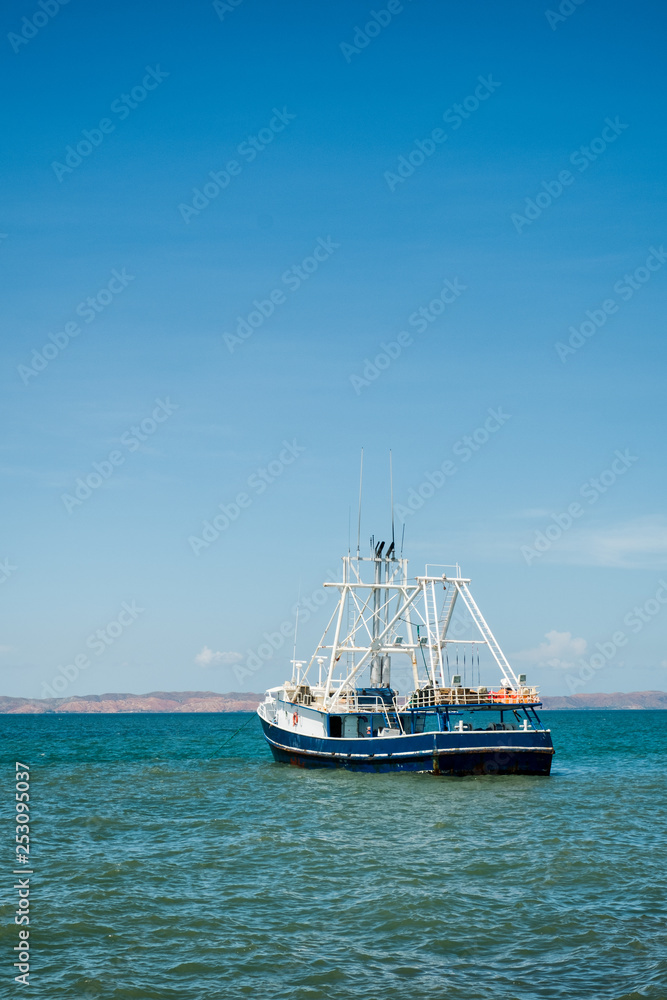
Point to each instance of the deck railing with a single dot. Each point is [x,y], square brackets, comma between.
[431,697]
[350,701]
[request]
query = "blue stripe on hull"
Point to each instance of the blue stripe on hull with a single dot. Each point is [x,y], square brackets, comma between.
[435,753]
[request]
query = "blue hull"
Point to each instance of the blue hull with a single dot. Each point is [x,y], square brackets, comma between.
[509,752]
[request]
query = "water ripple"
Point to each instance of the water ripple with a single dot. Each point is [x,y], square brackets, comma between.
[166,868]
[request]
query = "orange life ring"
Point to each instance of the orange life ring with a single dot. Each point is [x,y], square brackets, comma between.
[295,718]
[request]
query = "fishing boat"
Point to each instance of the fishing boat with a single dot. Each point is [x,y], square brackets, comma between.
[340,710]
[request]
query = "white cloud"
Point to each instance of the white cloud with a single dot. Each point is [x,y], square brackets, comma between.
[637,544]
[207,658]
[640,543]
[560,650]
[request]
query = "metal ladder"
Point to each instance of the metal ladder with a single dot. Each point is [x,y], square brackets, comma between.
[431,609]
[447,611]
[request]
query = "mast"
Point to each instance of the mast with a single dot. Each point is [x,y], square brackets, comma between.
[361,479]
[376,662]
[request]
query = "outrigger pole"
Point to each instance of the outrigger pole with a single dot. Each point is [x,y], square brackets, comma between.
[361,478]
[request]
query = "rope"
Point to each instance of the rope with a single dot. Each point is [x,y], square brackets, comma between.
[253,716]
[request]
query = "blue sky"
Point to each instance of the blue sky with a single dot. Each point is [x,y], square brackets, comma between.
[534,200]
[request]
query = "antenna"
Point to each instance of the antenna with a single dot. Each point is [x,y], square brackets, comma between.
[361,479]
[296,629]
[391,497]
[402,539]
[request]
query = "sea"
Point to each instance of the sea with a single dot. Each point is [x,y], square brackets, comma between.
[172,858]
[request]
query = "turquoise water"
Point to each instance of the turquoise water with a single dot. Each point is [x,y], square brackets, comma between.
[166,867]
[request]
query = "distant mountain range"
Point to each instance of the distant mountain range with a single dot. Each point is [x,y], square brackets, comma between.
[635,699]
[156,701]
[247,701]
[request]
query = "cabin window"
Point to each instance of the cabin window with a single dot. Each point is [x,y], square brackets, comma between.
[491,721]
[335,725]
[425,723]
